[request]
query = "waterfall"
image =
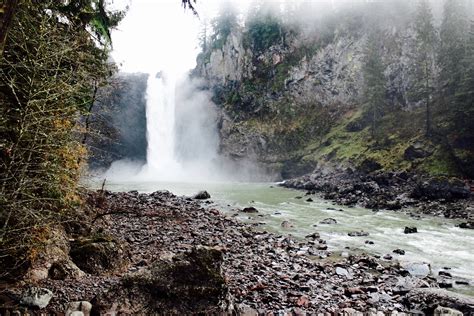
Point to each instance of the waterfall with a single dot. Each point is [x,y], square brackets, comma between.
[160,118]
[182,137]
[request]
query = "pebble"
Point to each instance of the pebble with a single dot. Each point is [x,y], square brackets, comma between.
[265,272]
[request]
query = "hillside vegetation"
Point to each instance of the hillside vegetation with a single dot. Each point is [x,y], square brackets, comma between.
[389,83]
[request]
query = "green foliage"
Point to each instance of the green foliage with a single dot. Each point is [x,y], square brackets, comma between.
[454,29]
[424,59]
[263,31]
[48,76]
[464,111]
[223,24]
[373,69]
[91,13]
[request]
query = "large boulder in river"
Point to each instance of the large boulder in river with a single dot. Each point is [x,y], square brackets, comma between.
[202,195]
[410,230]
[441,188]
[328,221]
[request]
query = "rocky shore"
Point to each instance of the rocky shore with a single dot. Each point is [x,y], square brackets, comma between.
[133,253]
[438,196]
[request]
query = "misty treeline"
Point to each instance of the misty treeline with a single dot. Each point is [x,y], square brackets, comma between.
[54,60]
[439,62]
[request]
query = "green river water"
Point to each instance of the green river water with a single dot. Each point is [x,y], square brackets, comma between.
[438,241]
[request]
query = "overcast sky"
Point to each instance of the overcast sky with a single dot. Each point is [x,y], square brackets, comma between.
[155,35]
[159,35]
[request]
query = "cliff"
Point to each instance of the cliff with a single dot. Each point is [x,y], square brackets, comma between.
[117,124]
[296,98]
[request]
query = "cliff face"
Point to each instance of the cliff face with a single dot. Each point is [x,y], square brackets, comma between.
[300,103]
[118,122]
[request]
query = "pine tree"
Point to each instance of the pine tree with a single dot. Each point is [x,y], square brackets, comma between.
[424,69]
[203,35]
[464,110]
[373,70]
[223,24]
[453,34]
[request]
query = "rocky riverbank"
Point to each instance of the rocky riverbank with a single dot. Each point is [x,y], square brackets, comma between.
[133,253]
[439,196]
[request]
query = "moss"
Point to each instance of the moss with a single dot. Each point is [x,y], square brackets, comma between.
[440,163]
[344,144]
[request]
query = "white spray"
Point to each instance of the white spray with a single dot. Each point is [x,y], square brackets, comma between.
[160,116]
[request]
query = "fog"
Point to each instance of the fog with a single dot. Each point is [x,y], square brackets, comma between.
[161,37]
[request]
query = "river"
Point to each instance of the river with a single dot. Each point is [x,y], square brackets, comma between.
[438,241]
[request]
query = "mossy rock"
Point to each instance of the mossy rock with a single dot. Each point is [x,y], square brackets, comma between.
[192,281]
[99,254]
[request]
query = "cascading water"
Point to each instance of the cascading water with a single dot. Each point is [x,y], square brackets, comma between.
[160,116]
[182,137]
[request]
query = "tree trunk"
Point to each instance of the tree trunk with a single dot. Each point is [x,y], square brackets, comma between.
[428,105]
[7,10]
[428,118]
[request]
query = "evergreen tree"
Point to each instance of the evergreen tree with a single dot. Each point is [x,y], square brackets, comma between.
[223,24]
[453,34]
[424,69]
[464,110]
[203,35]
[264,27]
[373,69]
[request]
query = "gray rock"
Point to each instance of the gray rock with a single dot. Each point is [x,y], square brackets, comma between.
[440,310]
[418,269]
[202,195]
[328,221]
[286,224]
[250,210]
[342,271]
[36,297]
[399,251]
[313,236]
[410,230]
[358,234]
[78,308]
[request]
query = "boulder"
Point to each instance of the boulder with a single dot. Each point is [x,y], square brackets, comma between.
[328,221]
[250,210]
[78,308]
[444,311]
[416,151]
[418,269]
[36,297]
[313,236]
[191,280]
[202,195]
[399,251]
[99,254]
[438,188]
[369,165]
[432,298]
[286,224]
[342,272]
[410,230]
[467,225]
[358,234]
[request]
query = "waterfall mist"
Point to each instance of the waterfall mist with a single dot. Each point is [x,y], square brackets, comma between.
[182,137]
